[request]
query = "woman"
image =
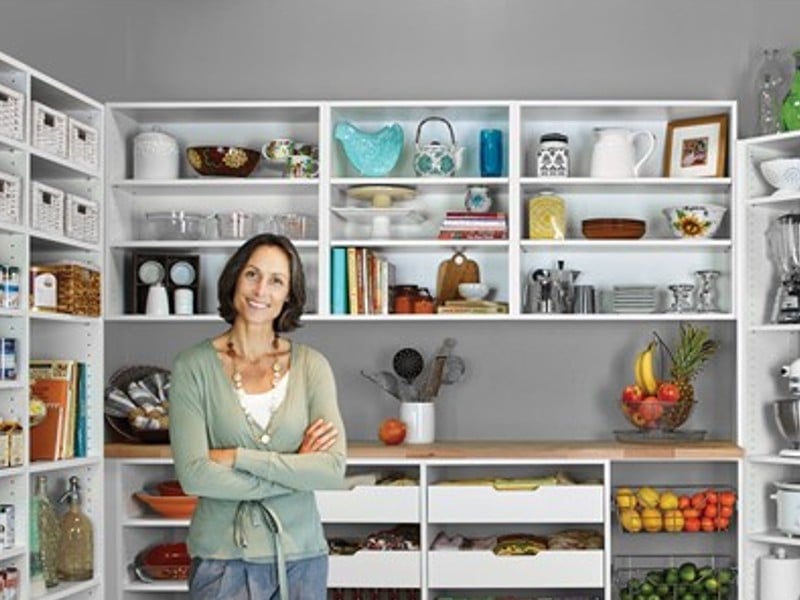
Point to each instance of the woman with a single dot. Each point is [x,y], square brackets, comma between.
[255,429]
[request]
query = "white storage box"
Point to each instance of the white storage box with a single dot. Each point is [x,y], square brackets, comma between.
[84,142]
[10,198]
[370,504]
[49,129]
[82,219]
[546,504]
[12,113]
[47,208]
[376,569]
[547,569]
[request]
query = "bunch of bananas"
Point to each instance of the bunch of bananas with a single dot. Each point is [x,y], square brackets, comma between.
[644,370]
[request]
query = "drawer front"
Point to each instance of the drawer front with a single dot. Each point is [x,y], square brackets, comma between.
[549,569]
[370,504]
[376,569]
[547,504]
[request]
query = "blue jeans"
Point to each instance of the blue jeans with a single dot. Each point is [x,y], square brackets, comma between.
[212,579]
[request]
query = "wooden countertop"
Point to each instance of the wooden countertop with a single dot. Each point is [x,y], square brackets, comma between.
[596,450]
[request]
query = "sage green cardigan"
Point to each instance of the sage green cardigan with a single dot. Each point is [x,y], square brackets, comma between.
[205,414]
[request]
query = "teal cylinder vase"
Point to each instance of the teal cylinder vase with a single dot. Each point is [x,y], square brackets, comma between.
[790,109]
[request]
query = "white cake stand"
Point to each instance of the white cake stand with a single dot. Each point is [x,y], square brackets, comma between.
[381,197]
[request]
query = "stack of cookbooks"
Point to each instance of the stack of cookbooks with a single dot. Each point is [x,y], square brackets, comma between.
[463,225]
[472,307]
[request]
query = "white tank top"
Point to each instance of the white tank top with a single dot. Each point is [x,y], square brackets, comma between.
[261,407]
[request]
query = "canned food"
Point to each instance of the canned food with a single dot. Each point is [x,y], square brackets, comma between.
[8,358]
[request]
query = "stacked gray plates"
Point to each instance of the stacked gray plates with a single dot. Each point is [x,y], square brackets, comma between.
[634,299]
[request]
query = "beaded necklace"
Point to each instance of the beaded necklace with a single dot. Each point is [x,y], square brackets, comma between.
[237,379]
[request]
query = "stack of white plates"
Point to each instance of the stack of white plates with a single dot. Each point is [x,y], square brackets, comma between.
[634,298]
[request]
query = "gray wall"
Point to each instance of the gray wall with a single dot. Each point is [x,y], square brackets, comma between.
[373,49]
[518,384]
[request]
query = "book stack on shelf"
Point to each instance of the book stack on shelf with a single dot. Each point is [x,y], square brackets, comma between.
[61,386]
[463,225]
[360,282]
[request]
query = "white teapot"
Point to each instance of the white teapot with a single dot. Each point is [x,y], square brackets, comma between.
[614,152]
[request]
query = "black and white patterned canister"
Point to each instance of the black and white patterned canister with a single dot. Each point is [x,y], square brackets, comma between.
[552,158]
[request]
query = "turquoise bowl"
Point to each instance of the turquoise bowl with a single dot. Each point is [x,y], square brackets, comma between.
[373,154]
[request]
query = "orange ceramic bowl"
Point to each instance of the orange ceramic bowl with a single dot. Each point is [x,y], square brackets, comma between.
[173,507]
[171,487]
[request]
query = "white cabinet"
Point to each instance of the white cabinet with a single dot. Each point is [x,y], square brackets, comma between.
[26,156]
[766,347]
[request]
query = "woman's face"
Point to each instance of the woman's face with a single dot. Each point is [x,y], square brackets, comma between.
[263,285]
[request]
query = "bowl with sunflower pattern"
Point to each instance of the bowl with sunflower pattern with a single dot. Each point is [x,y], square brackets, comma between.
[695,221]
[227,161]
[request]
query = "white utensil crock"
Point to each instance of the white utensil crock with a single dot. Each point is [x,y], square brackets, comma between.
[156,155]
[420,420]
[157,300]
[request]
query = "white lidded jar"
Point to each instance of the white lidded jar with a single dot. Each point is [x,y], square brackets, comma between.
[156,155]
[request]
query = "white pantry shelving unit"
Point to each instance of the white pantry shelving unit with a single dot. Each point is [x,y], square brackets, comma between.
[51,335]
[766,346]
[658,259]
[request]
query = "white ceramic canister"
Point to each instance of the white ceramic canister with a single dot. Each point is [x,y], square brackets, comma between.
[156,155]
[788,500]
[420,420]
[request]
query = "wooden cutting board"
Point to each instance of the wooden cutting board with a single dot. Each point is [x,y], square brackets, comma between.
[456,269]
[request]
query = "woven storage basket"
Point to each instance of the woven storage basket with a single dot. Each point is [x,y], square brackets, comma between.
[10,198]
[78,287]
[12,113]
[82,219]
[83,143]
[47,208]
[121,379]
[49,129]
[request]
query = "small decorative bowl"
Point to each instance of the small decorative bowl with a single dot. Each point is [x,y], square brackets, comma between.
[613,229]
[695,221]
[782,173]
[172,507]
[473,291]
[227,161]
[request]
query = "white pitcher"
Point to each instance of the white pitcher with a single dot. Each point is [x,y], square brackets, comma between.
[614,152]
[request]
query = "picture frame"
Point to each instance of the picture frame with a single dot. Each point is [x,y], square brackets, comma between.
[696,147]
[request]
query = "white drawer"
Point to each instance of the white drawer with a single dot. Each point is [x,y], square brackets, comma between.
[484,569]
[485,504]
[376,569]
[370,504]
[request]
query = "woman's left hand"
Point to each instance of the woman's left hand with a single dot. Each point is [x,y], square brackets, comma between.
[223,456]
[319,437]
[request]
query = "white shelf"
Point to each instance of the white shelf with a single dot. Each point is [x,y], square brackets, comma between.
[421,182]
[774,537]
[235,186]
[420,244]
[788,328]
[665,185]
[11,553]
[194,245]
[64,465]
[15,384]
[775,201]
[63,318]
[13,312]
[646,245]
[154,522]
[164,586]
[13,471]
[48,241]
[774,459]
[68,589]
[51,166]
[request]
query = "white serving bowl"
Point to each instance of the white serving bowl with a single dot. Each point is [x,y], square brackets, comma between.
[782,173]
[695,221]
[473,291]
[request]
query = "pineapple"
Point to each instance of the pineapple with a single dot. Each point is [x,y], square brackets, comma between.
[695,348]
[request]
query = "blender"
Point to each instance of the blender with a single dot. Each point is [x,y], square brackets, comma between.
[784,245]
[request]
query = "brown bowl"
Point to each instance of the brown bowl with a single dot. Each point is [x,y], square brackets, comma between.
[227,161]
[163,562]
[171,507]
[613,229]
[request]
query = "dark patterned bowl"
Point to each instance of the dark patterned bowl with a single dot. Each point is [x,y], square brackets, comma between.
[227,161]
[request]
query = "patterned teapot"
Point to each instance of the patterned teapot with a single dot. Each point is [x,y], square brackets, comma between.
[435,159]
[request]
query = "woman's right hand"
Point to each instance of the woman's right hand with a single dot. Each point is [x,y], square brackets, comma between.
[319,437]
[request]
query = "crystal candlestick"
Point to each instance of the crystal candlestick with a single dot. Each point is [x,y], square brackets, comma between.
[681,298]
[706,298]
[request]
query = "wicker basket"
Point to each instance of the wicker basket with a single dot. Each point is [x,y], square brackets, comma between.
[78,287]
[121,379]
[47,208]
[49,129]
[12,113]
[84,143]
[10,198]
[82,219]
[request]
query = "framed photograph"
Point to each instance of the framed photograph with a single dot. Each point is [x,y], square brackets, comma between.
[696,147]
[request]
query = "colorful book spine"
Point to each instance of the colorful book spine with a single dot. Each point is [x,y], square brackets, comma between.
[339,281]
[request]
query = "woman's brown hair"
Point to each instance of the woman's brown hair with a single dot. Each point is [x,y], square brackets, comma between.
[289,317]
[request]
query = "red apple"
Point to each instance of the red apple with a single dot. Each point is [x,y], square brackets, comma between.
[392,431]
[632,394]
[650,409]
[668,392]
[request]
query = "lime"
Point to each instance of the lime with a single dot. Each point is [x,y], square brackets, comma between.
[711,585]
[655,577]
[687,572]
[646,589]
[663,590]
[704,572]
[671,576]
[725,575]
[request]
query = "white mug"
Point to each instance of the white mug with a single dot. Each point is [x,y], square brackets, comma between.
[183,301]
[157,300]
